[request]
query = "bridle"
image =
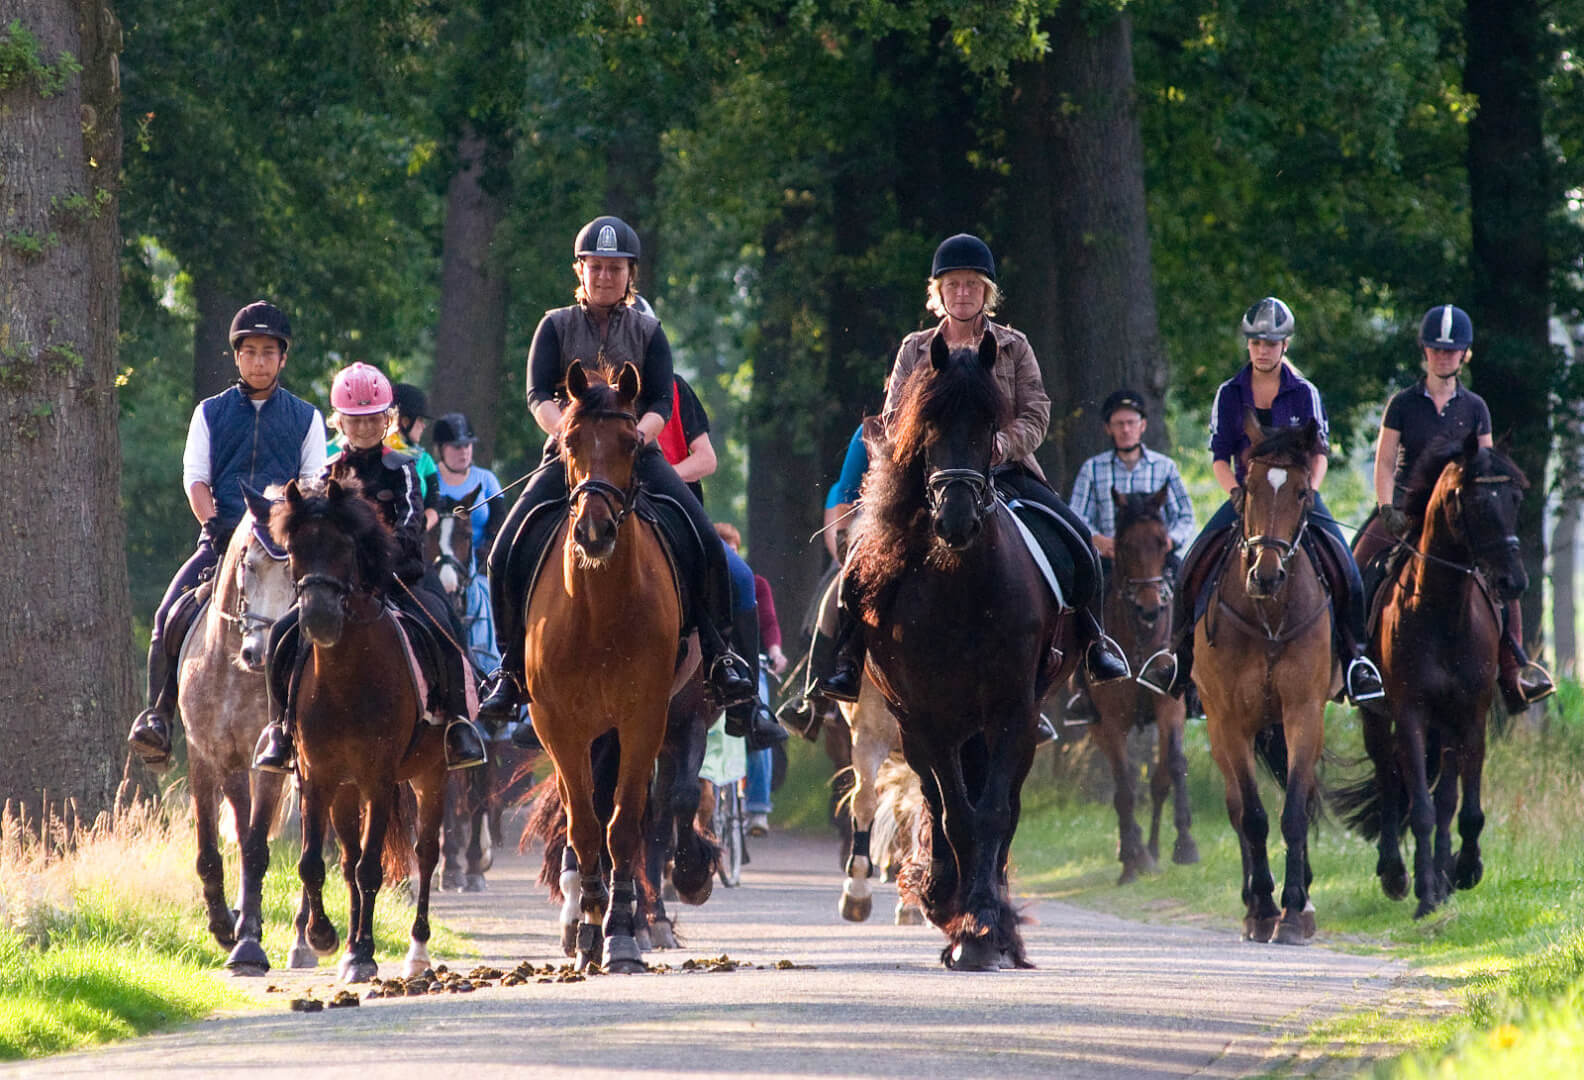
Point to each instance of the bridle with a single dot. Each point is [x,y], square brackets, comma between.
[1455,517]
[619,501]
[940,481]
[1130,589]
[243,618]
[1254,546]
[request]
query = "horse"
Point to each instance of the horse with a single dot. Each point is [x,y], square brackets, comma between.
[1437,638]
[359,723]
[963,638]
[1137,595]
[221,698]
[448,548]
[601,633]
[1265,672]
[876,740]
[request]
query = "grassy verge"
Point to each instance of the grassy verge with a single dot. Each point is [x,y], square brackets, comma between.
[105,938]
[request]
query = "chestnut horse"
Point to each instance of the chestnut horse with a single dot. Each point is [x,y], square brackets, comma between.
[601,653]
[1437,640]
[358,722]
[1138,612]
[1265,672]
[964,639]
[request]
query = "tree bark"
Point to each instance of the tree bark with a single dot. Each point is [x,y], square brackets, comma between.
[1510,198]
[1564,563]
[470,341]
[67,681]
[1078,279]
[214,368]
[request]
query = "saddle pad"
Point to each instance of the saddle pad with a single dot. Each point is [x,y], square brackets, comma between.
[1037,552]
[416,669]
[195,631]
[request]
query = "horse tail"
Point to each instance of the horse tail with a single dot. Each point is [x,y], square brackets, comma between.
[547,823]
[1358,802]
[1271,746]
[398,857]
[899,808]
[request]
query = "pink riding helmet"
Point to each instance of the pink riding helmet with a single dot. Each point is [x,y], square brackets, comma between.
[360,390]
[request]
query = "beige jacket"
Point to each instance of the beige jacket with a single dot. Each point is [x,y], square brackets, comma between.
[1017,372]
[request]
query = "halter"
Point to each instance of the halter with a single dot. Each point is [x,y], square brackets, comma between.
[940,481]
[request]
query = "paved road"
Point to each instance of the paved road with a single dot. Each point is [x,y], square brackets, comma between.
[1110,998]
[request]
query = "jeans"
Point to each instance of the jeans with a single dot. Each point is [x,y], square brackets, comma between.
[760,765]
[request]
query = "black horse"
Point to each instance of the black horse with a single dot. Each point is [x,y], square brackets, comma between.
[964,639]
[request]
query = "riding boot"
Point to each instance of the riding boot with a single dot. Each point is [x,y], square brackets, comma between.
[274,751]
[150,737]
[1523,681]
[1104,660]
[845,677]
[750,719]
[504,694]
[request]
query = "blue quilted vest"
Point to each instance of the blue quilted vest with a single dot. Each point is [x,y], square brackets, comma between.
[260,446]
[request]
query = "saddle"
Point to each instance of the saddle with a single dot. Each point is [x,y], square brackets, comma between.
[1049,541]
[185,616]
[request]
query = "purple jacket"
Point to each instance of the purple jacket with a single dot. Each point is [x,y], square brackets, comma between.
[1296,401]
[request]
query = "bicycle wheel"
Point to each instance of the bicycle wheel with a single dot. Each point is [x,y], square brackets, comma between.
[729,827]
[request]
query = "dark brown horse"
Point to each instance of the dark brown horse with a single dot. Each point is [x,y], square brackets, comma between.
[1138,613]
[358,722]
[1437,640]
[1265,672]
[602,627]
[964,639]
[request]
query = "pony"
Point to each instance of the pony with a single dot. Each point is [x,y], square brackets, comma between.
[600,641]
[448,548]
[1266,672]
[1138,611]
[876,741]
[963,639]
[359,723]
[1437,638]
[221,697]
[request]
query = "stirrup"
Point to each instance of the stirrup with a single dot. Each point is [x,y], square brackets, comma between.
[1363,669]
[274,752]
[1150,675]
[1044,731]
[464,744]
[730,685]
[1538,686]
[1105,650]
[150,737]
[504,696]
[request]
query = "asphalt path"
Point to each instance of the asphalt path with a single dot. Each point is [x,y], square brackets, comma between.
[1109,998]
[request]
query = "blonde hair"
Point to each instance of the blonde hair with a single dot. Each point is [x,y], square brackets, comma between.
[728,532]
[937,306]
[632,280]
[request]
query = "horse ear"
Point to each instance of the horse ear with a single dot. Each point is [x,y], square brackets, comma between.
[335,491]
[939,353]
[1118,499]
[294,496]
[628,383]
[257,503]
[1471,446]
[470,500]
[1158,500]
[577,383]
[1311,433]
[1251,426]
[987,350]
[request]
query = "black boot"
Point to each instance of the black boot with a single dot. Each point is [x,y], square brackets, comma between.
[1104,660]
[745,634]
[727,675]
[503,693]
[524,737]
[845,678]
[150,737]
[763,730]
[464,746]
[274,751]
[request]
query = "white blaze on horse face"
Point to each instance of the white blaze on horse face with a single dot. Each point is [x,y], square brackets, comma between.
[448,574]
[1277,478]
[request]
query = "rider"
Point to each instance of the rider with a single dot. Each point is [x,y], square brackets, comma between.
[963,293]
[455,477]
[761,759]
[363,400]
[256,433]
[603,324]
[1438,407]
[1279,397]
[412,416]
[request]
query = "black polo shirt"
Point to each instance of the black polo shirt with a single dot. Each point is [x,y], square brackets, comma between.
[1414,415]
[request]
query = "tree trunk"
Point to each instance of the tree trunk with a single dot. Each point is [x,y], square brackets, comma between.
[67,680]
[470,341]
[1564,561]
[1510,199]
[1079,280]
[214,368]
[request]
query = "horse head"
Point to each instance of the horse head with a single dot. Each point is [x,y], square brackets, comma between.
[1276,500]
[950,418]
[1476,499]
[600,444]
[339,550]
[261,582]
[1142,544]
[448,546]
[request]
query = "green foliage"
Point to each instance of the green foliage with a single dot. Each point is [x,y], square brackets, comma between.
[30,245]
[21,62]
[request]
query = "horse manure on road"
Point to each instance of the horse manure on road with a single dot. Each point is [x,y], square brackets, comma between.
[346,999]
[307,1005]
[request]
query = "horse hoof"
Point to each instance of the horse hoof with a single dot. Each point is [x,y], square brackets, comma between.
[909,915]
[1307,920]
[1260,929]
[644,939]
[622,956]
[248,959]
[324,939]
[662,935]
[1185,852]
[855,908]
[697,896]
[974,954]
[1394,882]
[1129,874]
[353,970]
[1425,908]
[302,958]
[569,940]
[668,893]
[474,883]
[450,880]
[1290,931]
[1468,876]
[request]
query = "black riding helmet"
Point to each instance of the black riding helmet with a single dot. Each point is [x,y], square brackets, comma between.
[609,236]
[261,317]
[411,402]
[1123,399]
[963,252]
[453,429]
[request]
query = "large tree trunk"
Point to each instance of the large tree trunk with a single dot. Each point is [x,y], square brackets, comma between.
[214,368]
[67,679]
[1564,563]
[1510,199]
[470,341]
[1079,279]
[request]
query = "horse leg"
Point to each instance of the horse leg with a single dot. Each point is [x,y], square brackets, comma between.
[1111,735]
[451,834]
[430,791]
[1421,811]
[249,958]
[1469,867]
[870,748]
[585,845]
[695,859]
[1304,743]
[476,781]
[205,786]
[354,818]
[1446,800]
[1172,764]
[1379,744]
[937,885]
[624,840]
[313,925]
[1252,827]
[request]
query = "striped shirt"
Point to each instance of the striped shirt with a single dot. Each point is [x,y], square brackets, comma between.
[1105,473]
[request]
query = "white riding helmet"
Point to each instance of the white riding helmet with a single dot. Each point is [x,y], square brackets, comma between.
[1268,320]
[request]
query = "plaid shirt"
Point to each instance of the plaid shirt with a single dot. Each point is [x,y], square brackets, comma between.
[1105,473]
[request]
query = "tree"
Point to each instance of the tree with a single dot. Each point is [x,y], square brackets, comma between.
[67,680]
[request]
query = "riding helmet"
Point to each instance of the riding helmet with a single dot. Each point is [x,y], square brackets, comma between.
[453,429]
[963,252]
[412,402]
[609,236]
[360,390]
[261,317]
[1268,320]
[1446,327]
[1123,399]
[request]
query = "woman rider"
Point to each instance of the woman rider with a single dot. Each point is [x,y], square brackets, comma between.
[604,325]
[963,293]
[1279,397]
[1439,407]
[362,398]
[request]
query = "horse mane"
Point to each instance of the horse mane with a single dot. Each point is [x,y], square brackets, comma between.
[1287,447]
[351,514]
[601,400]
[1486,461]
[894,488]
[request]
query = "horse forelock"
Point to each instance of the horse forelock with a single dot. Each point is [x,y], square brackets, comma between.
[964,390]
[355,517]
[1286,447]
[1138,507]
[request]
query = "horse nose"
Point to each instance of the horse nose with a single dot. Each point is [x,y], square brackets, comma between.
[253,653]
[959,534]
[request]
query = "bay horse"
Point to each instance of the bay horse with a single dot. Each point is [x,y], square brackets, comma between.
[358,722]
[1437,639]
[1138,614]
[1265,672]
[221,697]
[963,638]
[603,623]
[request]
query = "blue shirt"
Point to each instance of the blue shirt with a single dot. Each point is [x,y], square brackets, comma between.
[1296,401]
[481,509]
[854,465]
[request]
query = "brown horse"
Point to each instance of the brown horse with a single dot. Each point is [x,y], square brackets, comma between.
[1437,639]
[1138,613]
[1265,672]
[601,637]
[358,721]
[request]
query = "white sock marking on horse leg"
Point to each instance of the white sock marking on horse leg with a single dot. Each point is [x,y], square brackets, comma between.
[572,897]
[417,959]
